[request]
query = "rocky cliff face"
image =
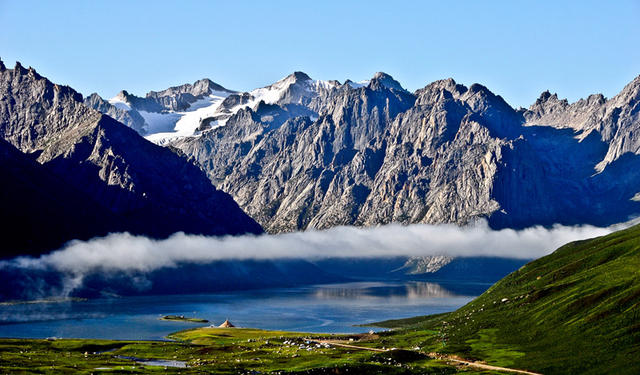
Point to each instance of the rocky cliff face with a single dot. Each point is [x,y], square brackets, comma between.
[149,189]
[373,153]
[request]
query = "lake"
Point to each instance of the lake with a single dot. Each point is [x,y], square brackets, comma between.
[330,308]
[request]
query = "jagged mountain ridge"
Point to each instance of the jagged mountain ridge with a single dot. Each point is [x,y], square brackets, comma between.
[190,109]
[374,153]
[147,189]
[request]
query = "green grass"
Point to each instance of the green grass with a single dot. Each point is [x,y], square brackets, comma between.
[574,311]
[210,350]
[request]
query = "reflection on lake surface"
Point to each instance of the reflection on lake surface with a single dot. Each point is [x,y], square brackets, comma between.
[413,290]
[320,308]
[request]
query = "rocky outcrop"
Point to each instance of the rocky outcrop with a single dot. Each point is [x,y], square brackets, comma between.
[150,189]
[373,153]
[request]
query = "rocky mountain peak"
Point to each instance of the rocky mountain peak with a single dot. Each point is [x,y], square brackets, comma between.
[630,92]
[481,99]
[478,89]
[52,91]
[198,89]
[381,79]
[296,78]
[123,95]
[210,86]
[548,103]
[299,76]
[95,96]
[19,68]
[439,90]
[448,84]
[2,67]
[546,96]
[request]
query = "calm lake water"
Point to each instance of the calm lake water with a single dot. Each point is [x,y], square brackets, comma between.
[332,308]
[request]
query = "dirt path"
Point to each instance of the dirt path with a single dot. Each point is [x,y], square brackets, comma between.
[478,365]
[443,357]
[340,344]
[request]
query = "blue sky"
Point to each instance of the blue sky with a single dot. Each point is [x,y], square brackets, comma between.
[516,48]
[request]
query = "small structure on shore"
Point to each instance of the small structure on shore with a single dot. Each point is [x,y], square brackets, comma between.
[226,324]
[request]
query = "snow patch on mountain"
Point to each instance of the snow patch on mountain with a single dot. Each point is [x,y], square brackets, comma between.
[357,85]
[120,103]
[167,126]
[159,122]
[212,111]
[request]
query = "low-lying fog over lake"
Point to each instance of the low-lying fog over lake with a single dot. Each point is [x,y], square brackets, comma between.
[120,285]
[330,308]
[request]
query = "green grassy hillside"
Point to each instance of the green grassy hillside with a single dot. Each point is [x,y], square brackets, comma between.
[574,311]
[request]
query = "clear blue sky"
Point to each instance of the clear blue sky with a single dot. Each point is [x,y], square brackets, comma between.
[516,48]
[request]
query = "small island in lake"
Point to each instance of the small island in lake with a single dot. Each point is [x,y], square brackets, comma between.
[182,318]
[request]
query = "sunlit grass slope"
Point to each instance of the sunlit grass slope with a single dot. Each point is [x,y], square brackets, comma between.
[576,310]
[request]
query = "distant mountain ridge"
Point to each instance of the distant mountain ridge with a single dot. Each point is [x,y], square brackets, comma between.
[317,154]
[132,184]
[304,153]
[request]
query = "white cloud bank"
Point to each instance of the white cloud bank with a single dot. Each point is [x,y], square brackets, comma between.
[128,253]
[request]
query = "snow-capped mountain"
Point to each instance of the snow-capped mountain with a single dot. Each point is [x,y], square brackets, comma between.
[172,113]
[168,125]
[191,109]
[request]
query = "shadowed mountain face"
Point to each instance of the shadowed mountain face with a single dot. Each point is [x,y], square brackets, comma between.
[373,153]
[103,172]
[39,210]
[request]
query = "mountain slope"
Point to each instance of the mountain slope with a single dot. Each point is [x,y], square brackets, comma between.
[151,189]
[286,174]
[576,310]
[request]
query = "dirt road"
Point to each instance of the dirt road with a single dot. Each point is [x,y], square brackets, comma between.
[442,357]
